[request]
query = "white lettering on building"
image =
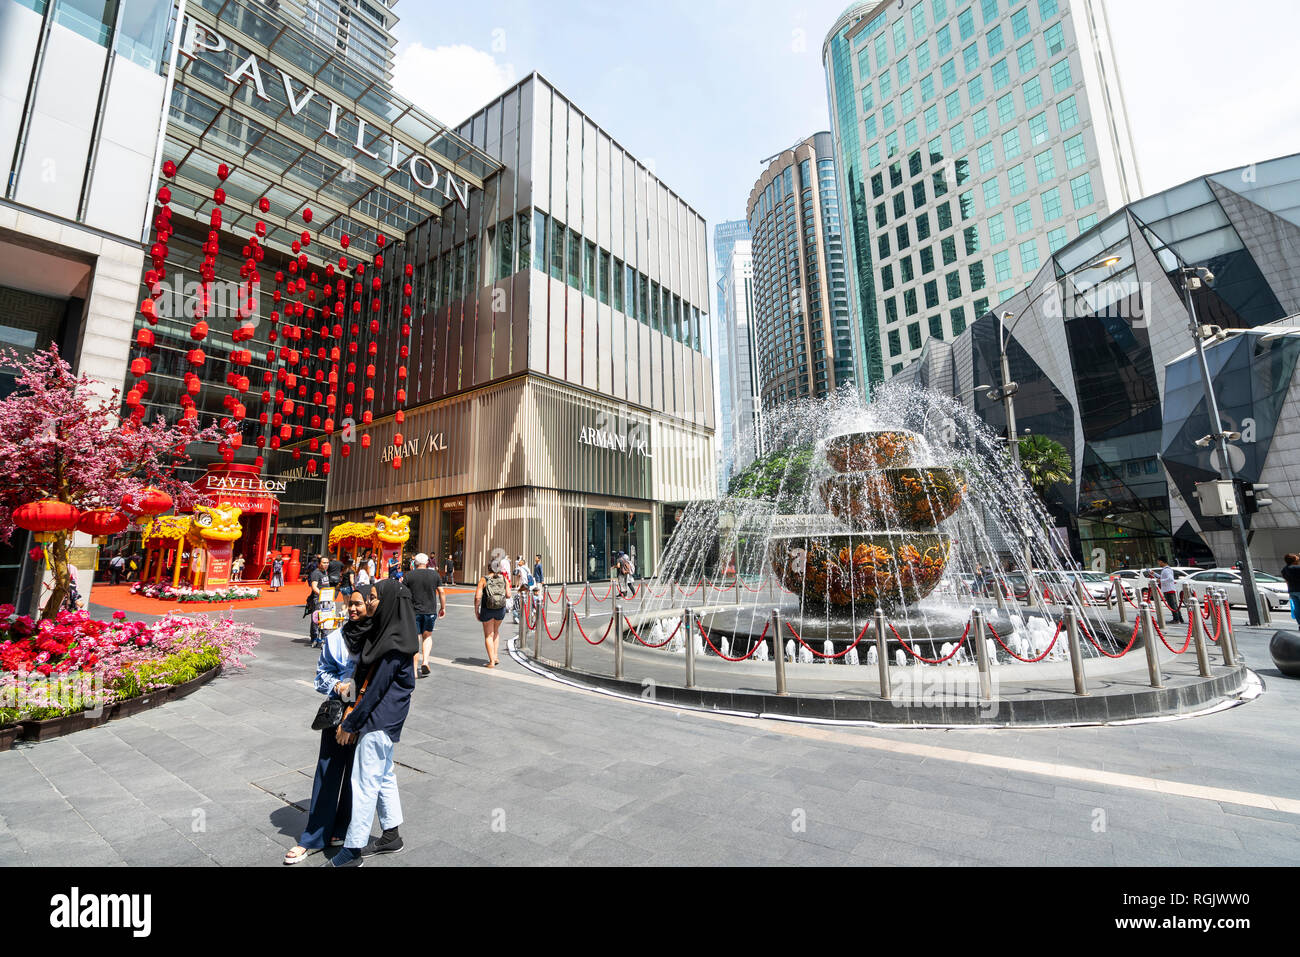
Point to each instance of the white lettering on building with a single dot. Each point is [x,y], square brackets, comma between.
[604,439]
[199,38]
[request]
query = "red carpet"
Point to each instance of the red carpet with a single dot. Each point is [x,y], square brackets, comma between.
[119,598]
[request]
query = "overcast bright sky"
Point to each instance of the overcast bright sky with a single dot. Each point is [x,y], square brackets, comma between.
[707,88]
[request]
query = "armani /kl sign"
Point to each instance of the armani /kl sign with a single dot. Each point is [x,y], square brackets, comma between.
[423,171]
[433,442]
[603,439]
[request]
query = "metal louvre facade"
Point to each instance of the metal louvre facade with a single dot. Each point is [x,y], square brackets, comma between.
[530,457]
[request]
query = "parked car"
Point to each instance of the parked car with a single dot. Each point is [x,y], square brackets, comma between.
[1272,588]
[1063,586]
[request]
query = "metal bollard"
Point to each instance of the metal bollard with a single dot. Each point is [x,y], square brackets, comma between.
[882,656]
[1226,638]
[538,619]
[690,648]
[771,588]
[1076,658]
[1159,602]
[779,648]
[617,632]
[1149,644]
[997,591]
[1198,631]
[1123,602]
[1081,593]
[586,602]
[982,655]
[568,634]
[1110,594]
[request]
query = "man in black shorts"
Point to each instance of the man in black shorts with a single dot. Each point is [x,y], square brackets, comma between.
[430,601]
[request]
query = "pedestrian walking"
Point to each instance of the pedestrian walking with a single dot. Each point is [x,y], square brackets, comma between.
[330,810]
[1291,574]
[335,571]
[387,642]
[347,579]
[449,570]
[490,600]
[523,587]
[1169,590]
[277,573]
[316,580]
[538,578]
[430,601]
[116,568]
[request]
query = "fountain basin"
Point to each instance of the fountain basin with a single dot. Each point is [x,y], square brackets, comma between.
[860,570]
[870,451]
[895,498]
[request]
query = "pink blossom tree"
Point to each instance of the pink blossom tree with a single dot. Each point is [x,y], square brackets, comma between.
[59,439]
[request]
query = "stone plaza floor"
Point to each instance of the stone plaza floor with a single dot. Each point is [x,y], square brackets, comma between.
[507,767]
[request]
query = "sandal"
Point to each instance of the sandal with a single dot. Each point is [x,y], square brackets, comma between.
[296,854]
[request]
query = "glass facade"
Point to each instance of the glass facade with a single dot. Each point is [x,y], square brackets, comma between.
[1005,114]
[1103,359]
[802,316]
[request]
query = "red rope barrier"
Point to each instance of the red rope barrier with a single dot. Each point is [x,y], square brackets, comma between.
[931,661]
[758,644]
[528,625]
[1127,648]
[687,594]
[1028,661]
[600,600]
[646,643]
[564,623]
[583,632]
[820,654]
[1186,644]
[1213,612]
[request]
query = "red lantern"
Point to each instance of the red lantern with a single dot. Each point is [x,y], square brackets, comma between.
[397,461]
[222,171]
[138,367]
[400,417]
[346,450]
[154,501]
[264,204]
[306,216]
[218,196]
[195,357]
[169,169]
[144,338]
[102,521]
[410,270]
[147,308]
[47,515]
[199,331]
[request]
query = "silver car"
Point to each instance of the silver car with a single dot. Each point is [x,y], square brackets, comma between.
[1272,588]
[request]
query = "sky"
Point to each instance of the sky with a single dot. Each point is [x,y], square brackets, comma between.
[704,90]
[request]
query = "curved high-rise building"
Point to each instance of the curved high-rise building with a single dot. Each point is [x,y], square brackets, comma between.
[802,320]
[973,138]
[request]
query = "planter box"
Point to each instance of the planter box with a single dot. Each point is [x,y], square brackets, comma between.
[10,733]
[56,727]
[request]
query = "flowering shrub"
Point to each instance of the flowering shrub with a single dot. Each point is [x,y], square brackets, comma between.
[73,662]
[183,594]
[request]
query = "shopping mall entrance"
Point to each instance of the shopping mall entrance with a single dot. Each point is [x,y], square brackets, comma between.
[610,532]
[451,536]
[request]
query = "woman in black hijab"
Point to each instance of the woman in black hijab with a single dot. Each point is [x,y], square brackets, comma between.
[385,645]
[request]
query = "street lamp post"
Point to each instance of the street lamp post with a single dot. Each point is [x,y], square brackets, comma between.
[1009,388]
[1194,277]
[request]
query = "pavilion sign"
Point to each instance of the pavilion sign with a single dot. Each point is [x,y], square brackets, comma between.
[298,94]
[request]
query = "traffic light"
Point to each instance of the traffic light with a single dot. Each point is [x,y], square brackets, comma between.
[1254,497]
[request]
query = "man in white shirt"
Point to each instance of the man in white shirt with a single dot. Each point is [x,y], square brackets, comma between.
[1169,588]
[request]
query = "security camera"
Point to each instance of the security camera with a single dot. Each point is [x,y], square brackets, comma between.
[1204,442]
[1232,436]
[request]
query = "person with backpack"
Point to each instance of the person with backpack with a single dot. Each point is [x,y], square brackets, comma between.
[490,600]
[116,568]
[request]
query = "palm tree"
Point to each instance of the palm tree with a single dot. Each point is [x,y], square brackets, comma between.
[1045,463]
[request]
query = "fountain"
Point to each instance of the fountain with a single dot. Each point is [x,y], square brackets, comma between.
[907,505]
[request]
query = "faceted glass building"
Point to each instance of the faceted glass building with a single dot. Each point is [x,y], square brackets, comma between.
[973,139]
[1102,352]
[802,320]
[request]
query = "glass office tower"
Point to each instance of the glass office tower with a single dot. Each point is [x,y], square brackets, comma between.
[742,377]
[973,140]
[725,237]
[802,319]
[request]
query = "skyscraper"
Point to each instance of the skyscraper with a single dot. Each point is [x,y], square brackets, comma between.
[742,426]
[973,139]
[801,311]
[725,236]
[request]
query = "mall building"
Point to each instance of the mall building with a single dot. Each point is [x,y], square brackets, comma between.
[562,398]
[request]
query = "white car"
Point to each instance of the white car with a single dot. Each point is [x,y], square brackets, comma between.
[1272,588]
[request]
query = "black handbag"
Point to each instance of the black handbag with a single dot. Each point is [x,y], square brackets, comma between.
[328,715]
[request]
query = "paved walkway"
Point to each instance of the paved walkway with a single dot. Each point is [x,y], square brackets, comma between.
[505,767]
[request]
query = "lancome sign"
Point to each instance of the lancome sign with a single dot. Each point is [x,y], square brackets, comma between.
[199,38]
